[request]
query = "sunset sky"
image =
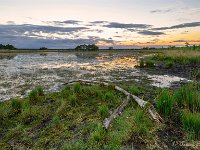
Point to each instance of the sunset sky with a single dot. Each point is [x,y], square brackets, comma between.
[117,23]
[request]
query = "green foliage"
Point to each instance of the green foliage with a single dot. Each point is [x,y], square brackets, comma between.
[40,90]
[77,88]
[66,91]
[33,96]
[71,122]
[149,63]
[108,96]
[97,135]
[16,106]
[191,124]
[56,120]
[165,103]
[104,111]
[73,100]
[77,145]
[188,97]
[169,64]
[134,90]
[141,63]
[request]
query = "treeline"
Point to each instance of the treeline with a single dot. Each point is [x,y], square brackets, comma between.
[88,47]
[8,46]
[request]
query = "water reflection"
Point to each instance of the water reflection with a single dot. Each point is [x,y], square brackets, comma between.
[25,71]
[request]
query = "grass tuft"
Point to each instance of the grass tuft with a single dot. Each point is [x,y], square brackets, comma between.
[165,103]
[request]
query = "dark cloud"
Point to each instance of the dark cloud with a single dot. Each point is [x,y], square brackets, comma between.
[146,32]
[184,25]
[98,22]
[179,41]
[10,22]
[33,42]
[66,22]
[21,29]
[161,11]
[126,26]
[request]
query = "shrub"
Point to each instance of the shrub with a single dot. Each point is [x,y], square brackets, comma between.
[165,103]
[104,111]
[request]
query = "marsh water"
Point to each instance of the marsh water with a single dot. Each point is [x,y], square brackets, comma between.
[22,72]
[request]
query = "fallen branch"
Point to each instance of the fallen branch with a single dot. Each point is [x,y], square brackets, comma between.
[107,121]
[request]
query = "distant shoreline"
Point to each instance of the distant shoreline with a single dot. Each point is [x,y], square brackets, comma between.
[71,50]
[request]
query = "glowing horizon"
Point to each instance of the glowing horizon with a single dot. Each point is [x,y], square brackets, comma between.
[116,23]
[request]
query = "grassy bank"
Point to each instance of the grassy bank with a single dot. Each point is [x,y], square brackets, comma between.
[72,119]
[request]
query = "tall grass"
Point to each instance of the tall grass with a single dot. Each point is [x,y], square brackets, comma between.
[188,97]
[16,106]
[191,124]
[178,56]
[104,111]
[165,103]
[77,88]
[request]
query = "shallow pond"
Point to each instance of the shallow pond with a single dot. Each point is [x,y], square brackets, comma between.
[21,73]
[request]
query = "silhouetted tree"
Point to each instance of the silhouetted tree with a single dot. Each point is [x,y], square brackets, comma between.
[89,47]
[110,48]
[8,46]
[43,48]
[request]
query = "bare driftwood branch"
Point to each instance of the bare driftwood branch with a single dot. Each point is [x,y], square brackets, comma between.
[107,121]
